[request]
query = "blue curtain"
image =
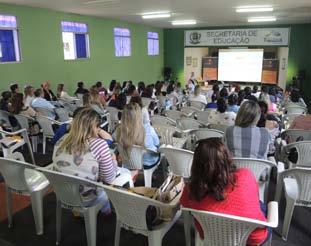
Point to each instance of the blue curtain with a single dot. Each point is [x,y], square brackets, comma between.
[7,46]
[81,45]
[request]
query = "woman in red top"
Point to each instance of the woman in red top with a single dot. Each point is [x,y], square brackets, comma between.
[216,185]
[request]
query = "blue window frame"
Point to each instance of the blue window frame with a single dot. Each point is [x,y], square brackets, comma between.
[75,40]
[9,46]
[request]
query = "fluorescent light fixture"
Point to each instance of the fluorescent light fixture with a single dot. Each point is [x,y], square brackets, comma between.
[249,9]
[184,22]
[154,15]
[261,19]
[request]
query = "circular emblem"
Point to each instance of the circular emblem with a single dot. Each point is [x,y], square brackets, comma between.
[195,38]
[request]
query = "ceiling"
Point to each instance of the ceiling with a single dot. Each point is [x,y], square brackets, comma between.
[206,12]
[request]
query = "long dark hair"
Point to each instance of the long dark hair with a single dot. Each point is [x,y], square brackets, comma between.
[212,170]
[17,103]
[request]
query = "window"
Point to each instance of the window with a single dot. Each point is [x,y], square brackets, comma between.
[122,42]
[153,43]
[9,48]
[75,40]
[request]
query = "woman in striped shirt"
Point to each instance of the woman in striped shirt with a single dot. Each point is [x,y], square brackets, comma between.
[84,152]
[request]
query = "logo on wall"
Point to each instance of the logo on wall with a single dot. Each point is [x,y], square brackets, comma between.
[195,38]
[273,37]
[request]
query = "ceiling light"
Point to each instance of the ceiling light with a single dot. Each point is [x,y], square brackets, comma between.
[254,9]
[184,22]
[261,19]
[155,15]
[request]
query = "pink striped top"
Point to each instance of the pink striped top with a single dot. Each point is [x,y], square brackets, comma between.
[107,167]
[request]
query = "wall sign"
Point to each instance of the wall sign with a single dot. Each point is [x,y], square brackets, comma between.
[238,37]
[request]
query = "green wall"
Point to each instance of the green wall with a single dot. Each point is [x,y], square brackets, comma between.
[299,53]
[43,58]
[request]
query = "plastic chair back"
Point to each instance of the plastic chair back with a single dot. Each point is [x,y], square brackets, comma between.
[4,116]
[304,153]
[23,121]
[133,157]
[162,120]
[294,134]
[198,105]
[13,172]
[295,109]
[174,114]
[166,133]
[218,127]
[179,160]
[66,187]
[44,111]
[46,125]
[63,113]
[190,124]
[203,115]
[204,133]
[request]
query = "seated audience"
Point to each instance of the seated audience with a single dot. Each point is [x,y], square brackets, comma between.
[5,101]
[29,95]
[197,96]
[241,97]
[63,95]
[112,86]
[96,102]
[248,92]
[141,87]
[213,103]
[85,141]
[302,122]
[233,103]
[80,90]
[40,102]
[220,116]
[255,91]
[270,123]
[14,89]
[214,91]
[144,110]
[245,139]
[296,98]
[224,93]
[18,106]
[132,131]
[48,94]
[216,185]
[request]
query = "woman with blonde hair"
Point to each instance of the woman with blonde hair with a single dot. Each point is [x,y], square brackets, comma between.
[96,102]
[84,142]
[197,96]
[29,95]
[132,131]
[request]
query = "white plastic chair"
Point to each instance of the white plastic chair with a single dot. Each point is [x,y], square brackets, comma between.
[227,230]
[296,183]
[218,127]
[190,124]
[22,179]
[46,124]
[203,115]
[174,114]
[198,105]
[303,151]
[24,122]
[44,111]
[258,168]
[179,160]
[9,145]
[287,119]
[133,160]
[67,190]
[162,120]
[204,133]
[171,135]
[131,214]
[295,109]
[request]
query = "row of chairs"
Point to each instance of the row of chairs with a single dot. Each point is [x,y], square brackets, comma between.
[130,208]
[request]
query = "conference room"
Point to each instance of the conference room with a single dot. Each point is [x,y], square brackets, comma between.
[155,122]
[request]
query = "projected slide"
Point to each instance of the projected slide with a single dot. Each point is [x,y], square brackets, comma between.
[243,65]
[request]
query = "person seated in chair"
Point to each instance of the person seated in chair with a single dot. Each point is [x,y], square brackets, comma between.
[84,142]
[216,185]
[40,102]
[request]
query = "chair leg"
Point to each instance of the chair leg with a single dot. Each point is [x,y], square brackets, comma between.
[154,239]
[148,177]
[290,204]
[58,222]
[34,141]
[117,233]
[187,227]
[43,144]
[37,210]
[90,219]
[9,205]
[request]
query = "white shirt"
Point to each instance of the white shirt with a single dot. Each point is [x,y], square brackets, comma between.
[64,96]
[28,100]
[145,116]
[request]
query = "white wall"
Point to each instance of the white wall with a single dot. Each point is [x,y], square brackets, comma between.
[282,55]
[193,56]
